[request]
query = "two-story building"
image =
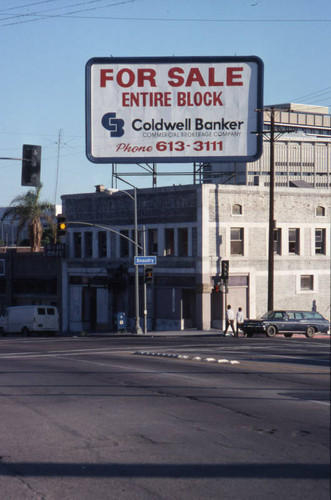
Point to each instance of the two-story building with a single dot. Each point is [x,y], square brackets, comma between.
[190,229]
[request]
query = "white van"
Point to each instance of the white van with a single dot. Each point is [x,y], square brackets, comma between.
[30,319]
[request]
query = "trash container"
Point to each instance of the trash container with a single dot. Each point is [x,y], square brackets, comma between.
[120,321]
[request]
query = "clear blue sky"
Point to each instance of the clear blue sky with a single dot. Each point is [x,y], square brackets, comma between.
[46,44]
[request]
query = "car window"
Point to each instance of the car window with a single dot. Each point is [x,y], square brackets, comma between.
[299,315]
[290,315]
[278,315]
[50,311]
[41,310]
[313,315]
[268,315]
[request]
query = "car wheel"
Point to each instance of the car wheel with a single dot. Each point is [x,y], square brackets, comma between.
[271,331]
[288,335]
[25,332]
[310,332]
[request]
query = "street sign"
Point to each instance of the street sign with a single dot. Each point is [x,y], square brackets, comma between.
[174,109]
[145,260]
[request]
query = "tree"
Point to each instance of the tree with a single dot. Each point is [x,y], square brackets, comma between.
[28,210]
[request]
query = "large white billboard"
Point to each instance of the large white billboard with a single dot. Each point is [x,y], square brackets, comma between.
[174,109]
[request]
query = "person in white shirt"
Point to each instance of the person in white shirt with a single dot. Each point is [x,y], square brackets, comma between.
[240,320]
[230,317]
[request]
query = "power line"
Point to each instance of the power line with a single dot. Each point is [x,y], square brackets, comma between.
[42,15]
[71,15]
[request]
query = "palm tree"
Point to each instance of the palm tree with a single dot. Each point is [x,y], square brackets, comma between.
[28,210]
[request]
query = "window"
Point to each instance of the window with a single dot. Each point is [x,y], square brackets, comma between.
[237,209]
[50,311]
[102,244]
[169,242]
[152,242]
[88,244]
[194,242]
[77,245]
[307,282]
[237,241]
[293,241]
[277,241]
[320,241]
[320,211]
[41,311]
[182,242]
[124,243]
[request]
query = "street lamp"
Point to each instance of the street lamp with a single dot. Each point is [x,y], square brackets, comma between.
[136,271]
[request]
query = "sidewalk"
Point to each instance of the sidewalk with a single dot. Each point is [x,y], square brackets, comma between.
[188,333]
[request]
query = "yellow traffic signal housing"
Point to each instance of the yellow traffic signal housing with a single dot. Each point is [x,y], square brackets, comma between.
[61,225]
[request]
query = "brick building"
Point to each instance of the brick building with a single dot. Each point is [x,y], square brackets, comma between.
[191,229]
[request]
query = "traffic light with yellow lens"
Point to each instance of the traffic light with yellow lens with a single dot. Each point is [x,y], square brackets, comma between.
[61,225]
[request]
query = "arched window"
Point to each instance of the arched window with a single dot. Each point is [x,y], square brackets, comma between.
[237,209]
[320,211]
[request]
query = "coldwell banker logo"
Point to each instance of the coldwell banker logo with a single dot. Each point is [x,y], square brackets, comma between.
[113,124]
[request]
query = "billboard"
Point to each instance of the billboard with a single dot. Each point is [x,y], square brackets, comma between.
[174,109]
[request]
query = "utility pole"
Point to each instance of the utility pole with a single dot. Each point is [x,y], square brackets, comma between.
[57,165]
[271,212]
[272,138]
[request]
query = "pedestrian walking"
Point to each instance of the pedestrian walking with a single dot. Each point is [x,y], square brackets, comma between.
[230,317]
[240,320]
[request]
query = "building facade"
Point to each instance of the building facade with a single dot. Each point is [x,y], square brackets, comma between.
[190,229]
[302,151]
[29,278]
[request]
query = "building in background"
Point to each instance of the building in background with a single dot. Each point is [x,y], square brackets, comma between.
[302,152]
[190,229]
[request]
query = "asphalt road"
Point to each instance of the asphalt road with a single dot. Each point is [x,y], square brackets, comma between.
[164,418]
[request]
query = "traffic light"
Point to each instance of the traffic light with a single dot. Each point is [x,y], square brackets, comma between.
[31,159]
[148,275]
[61,225]
[225,270]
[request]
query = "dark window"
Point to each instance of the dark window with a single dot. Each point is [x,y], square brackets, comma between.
[293,241]
[41,311]
[124,243]
[182,241]
[307,282]
[152,242]
[88,244]
[50,311]
[194,242]
[277,241]
[102,244]
[237,241]
[320,241]
[77,245]
[169,242]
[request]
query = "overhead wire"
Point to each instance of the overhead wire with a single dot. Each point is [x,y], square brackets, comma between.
[42,15]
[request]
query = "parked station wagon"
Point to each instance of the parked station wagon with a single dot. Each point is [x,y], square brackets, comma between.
[287,322]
